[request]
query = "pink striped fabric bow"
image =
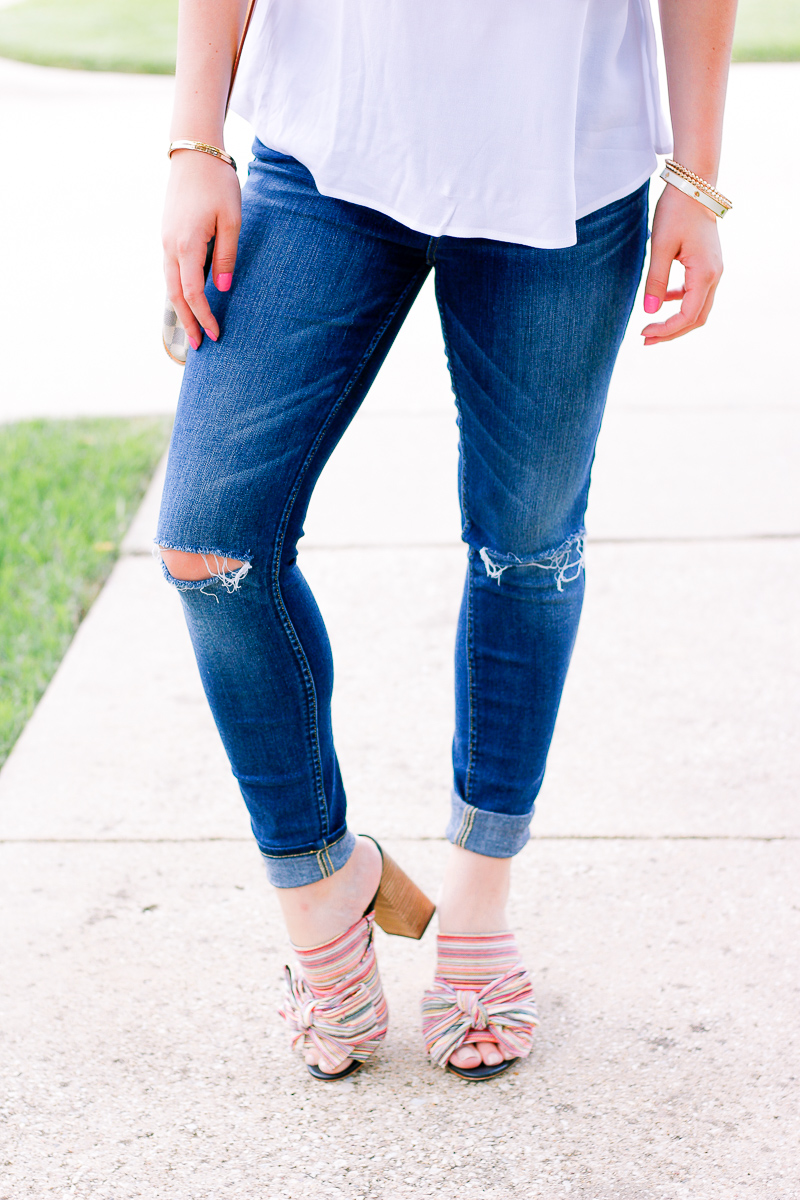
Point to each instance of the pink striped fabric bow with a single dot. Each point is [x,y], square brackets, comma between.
[504,1009]
[337,1004]
[341,1026]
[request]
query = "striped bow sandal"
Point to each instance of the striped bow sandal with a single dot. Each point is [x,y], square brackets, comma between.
[481,993]
[335,1002]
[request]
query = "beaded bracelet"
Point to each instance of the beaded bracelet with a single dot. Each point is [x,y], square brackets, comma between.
[204,148]
[692,185]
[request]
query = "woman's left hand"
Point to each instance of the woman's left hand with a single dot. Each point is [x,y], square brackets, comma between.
[683,231]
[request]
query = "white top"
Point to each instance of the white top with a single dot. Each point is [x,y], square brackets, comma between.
[504,119]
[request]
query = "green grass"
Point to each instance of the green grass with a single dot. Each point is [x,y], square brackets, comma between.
[96,35]
[139,35]
[767,31]
[69,490]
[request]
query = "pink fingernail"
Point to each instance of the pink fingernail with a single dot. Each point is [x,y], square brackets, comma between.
[213,336]
[224,281]
[195,345]
[651,304]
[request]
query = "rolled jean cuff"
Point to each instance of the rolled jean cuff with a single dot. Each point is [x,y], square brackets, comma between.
[296,870]
[493,834]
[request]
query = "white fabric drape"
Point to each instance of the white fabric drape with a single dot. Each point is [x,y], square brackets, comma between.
[505,119]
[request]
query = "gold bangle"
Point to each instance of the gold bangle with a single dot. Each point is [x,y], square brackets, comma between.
[204,148]
[698,182]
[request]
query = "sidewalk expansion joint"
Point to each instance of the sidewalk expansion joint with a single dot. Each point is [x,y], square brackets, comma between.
[658,540]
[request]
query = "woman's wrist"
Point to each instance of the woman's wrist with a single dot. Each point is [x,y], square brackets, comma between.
[698,159]
[195,130]
[685,206]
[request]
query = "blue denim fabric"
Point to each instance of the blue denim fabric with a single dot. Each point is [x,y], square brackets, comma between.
[320,290]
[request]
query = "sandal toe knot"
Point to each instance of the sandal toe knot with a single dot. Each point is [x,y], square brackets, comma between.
[504,1009]
[341,1010]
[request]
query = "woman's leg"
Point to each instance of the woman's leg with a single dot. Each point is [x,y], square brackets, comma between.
[320,289]
[532,337]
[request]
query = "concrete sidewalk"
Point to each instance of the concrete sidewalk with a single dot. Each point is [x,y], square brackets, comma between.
[658,903]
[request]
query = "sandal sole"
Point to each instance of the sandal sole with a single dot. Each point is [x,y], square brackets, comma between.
[484,1071]
[323,1076]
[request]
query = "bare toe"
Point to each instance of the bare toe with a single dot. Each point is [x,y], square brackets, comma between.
[466,1056]
[490,1053]
[330,1069]
[311,1055]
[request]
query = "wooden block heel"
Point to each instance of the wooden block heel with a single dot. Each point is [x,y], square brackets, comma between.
[400,906]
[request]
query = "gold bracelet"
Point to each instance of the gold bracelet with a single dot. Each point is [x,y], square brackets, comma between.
[204,148]
[693,185]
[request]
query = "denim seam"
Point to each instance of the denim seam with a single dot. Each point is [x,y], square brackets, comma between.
[462,443]
[308,678]
[465,829]
[325,863]
[487,832]
[303,853]
[310,690]
[473,723]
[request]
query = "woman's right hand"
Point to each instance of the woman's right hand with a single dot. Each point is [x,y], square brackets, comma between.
[204,201]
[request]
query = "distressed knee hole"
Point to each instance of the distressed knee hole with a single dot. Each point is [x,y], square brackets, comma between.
[566,562]
[192,569]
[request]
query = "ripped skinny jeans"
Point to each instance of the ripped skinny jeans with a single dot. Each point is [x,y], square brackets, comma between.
[320,290]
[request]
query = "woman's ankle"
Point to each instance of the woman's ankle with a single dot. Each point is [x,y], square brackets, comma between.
[319,912]
[475,893]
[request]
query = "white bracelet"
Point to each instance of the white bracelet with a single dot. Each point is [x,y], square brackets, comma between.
[696,192]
